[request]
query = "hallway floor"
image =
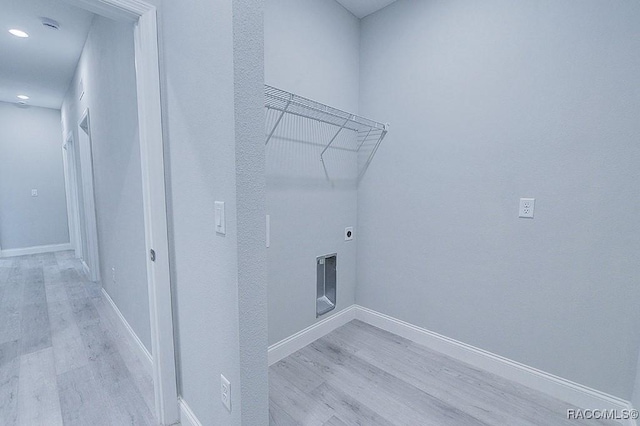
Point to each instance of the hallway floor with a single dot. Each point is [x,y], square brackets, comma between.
[62,362]
[361,375]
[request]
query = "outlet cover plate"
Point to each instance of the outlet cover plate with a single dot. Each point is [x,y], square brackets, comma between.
[527,206]
[348,233]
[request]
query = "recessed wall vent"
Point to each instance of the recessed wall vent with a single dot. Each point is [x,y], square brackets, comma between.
[326,271]
[50,23]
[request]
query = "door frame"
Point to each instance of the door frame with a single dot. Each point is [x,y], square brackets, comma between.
[73,206]
[144,17]
[92,257]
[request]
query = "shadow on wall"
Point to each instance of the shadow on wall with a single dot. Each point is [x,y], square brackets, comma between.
[293,153]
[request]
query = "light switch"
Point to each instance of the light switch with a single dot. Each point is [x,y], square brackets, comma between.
[34,192]
[219,217]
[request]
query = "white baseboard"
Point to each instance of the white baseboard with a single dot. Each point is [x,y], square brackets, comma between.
[574,393]
[187,418]
[293,343]
[557,387]
[35,250]
[134,341]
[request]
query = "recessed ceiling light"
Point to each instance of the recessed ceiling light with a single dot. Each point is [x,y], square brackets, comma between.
[23,97]
[18,33]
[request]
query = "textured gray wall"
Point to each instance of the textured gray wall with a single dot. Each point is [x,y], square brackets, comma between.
[211,67]
[488,102]
[31,156]
[635,397]
[107,69]
[248,54]
[311,49]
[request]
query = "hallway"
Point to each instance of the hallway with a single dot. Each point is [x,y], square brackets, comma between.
[62,361]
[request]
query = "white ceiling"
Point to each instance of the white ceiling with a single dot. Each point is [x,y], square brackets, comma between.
[42,65]
[362,8]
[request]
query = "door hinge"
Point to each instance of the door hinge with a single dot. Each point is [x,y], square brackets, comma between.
[153,255]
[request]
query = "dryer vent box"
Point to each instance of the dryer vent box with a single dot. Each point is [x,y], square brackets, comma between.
[326,283]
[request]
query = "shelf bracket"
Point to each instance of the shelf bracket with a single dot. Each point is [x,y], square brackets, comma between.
[373,151]
[334,138]
[275,126]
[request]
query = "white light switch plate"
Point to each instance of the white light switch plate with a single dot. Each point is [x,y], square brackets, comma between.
[34,192]
[219,218]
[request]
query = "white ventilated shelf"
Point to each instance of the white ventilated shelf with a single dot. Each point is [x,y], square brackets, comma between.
[367,132]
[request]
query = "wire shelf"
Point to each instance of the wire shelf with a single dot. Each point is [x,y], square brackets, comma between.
[367,131]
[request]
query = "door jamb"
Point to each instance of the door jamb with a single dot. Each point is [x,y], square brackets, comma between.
[144,17]
[89,199]
[71,180]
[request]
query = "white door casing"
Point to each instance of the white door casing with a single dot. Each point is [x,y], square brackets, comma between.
[71,181]
[92,257]
[144,17]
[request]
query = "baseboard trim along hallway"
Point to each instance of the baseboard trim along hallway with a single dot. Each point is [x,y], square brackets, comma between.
[187,417]
[35,250]
[125,330]
[557,387]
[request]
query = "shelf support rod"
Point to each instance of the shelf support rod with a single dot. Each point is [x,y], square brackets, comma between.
[275,126]
[365,139]
[334,138]
[373,152]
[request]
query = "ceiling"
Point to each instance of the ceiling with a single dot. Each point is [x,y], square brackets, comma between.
[362,8]
[42,65]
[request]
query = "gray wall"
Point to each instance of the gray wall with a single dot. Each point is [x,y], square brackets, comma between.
[106,67]
[311,49]
[31,158]
[212,70]
[491,101]
[635,397]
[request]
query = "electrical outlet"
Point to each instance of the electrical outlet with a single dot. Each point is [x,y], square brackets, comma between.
[34,192]
[348,233]
[225,392]
[526,207]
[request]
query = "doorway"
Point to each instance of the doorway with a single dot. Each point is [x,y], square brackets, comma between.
[73,199]
[143,16]
[91,259]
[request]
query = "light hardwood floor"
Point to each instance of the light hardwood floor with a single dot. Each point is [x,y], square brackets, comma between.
[361,375]
[61,360]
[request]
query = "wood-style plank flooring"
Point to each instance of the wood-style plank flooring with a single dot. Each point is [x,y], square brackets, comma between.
[62,362]
[361,375]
